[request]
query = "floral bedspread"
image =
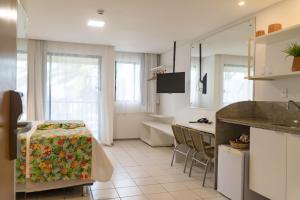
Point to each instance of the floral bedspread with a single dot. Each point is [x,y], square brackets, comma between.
[57,151]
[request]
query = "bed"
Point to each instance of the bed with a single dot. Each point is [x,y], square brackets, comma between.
[58,154]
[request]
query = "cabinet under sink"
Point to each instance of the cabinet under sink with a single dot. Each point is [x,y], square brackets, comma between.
[275,164]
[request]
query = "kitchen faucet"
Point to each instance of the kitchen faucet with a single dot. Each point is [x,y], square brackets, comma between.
[294,103]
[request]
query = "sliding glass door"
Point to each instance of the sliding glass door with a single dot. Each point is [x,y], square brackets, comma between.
[73,89]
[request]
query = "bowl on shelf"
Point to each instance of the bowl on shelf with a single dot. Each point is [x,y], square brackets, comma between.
[274,27]
[260,33]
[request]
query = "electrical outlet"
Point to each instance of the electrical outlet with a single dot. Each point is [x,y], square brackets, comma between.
[285,93]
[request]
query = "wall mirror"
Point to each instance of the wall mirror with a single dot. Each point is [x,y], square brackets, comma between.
[219,77]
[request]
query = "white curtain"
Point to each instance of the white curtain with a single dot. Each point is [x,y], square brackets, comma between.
[22,72]
[150,61]
[107,96]
[129,74]
[134,93]
[36,79]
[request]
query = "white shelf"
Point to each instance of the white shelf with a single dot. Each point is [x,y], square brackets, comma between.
[274,77]
[161,116]
[163,127]
[278,36]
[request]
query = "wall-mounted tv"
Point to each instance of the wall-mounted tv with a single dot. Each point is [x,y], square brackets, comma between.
[171,83]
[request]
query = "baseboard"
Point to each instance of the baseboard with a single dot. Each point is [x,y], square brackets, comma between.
[121,139]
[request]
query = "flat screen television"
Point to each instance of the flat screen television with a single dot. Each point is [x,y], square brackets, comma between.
[171,83]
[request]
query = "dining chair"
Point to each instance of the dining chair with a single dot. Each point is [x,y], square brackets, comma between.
[203,154]
[182,145]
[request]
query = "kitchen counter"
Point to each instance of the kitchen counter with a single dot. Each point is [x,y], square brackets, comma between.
[236,119]
[264,124]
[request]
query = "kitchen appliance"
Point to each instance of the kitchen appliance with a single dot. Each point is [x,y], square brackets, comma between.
[233,174]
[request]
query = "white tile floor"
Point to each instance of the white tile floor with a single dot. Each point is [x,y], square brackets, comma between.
[141,172]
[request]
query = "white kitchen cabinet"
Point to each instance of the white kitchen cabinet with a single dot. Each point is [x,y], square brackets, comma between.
[268,163]
[293,167]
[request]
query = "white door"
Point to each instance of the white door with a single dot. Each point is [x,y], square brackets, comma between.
[7,82]
[268,163]
[73,83]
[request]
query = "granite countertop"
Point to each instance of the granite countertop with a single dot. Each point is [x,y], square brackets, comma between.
[293,128]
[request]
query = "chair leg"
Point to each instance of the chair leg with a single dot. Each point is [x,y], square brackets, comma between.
[191,168]
[205,172]
[84,191]
[186,158]
[173,157]
[210,167]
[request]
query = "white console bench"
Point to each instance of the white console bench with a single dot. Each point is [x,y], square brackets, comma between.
[158,131]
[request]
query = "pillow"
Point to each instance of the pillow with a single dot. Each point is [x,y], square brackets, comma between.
[47,126]
[72,125]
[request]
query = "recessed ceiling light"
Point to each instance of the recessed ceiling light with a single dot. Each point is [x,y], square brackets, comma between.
[95,23]
[241,3]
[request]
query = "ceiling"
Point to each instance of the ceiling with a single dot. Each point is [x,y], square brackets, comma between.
[133,25]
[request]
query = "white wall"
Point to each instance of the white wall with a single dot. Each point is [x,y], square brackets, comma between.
[177,105]
[128,125]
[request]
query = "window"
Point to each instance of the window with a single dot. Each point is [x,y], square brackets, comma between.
[128,83]
[235,86]
[21,81]
[73,89]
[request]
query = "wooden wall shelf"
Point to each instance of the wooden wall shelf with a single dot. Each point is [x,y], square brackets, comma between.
[278,36]
[274,77]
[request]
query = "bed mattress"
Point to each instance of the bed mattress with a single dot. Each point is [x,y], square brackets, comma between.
[54,154]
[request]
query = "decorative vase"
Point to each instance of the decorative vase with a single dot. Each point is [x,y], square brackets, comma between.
[296,64]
